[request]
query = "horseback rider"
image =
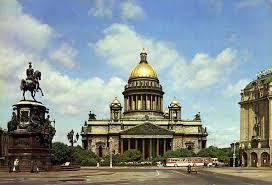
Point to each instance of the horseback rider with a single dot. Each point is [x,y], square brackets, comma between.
[30,76]
[31,83]
[30,73]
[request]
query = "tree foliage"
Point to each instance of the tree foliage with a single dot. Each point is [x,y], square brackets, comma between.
[60,153]
[220,153]
[179,153]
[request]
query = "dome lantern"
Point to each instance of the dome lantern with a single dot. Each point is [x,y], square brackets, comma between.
[143,55]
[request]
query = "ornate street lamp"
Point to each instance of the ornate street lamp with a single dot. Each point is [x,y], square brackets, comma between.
[110,142]
[70,137]
[234,156]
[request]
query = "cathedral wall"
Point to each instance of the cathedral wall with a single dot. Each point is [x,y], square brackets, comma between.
[115,144]
[115,128]
[182,141]
[177,142]
[100,129]
[95,141]
[185,129]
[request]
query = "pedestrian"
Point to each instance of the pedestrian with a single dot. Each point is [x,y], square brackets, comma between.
[16,165]
[189,168]
[32,166]
[36,168]
[10,166]
[97,165]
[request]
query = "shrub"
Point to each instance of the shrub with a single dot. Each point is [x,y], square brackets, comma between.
[82,157]
[131,155]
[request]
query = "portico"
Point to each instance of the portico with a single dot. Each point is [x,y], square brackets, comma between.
[141,138]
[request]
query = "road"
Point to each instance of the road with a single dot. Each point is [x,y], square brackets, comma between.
[131,176]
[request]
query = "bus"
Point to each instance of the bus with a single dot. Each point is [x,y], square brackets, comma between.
[185,161]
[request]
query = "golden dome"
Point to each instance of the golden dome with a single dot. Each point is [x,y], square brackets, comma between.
[143,69]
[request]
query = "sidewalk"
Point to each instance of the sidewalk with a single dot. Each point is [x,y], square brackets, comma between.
[264,174]
[53,174]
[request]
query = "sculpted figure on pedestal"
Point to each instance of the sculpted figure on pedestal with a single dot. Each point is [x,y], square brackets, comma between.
[35,122]
[13,123]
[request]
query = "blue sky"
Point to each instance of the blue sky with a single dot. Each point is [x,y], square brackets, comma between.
[205,52]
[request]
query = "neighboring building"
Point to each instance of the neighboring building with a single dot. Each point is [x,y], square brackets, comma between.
[256,121]
[143,125]
[4,144]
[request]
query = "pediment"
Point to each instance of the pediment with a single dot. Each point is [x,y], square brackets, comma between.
[147,129]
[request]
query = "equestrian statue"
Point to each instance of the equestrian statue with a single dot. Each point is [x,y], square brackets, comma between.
[31,83]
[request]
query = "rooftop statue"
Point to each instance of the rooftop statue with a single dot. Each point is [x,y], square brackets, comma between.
[31,83]
[197,117]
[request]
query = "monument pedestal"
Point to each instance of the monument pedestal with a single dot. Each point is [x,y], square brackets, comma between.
[31,136]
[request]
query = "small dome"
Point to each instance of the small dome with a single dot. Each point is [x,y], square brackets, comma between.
[116,102]
[174,102]
[143,69]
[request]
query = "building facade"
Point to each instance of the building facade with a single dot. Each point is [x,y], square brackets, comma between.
[141,123]
[256,121]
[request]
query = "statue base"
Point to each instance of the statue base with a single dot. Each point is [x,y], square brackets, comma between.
[29,141]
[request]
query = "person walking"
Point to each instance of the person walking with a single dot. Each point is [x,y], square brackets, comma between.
[10,166]
[32,166]
[16,165]
[36,168]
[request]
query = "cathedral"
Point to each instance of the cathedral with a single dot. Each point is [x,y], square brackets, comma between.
[141,122]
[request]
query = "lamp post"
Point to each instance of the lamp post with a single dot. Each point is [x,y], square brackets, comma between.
[70,137]
[110,140]
[234,156]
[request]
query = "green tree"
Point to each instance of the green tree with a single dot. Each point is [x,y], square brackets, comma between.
[132,155]
[220,153]
[179,153]
[60,153]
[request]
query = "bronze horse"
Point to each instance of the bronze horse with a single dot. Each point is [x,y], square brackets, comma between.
[32,85]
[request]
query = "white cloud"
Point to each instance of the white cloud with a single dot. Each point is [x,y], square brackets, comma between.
[64,55]
[202,71]
[248,3]
[121,47]
[19,28]
[235,89]
[74,96]
[101,8]
[131,10]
